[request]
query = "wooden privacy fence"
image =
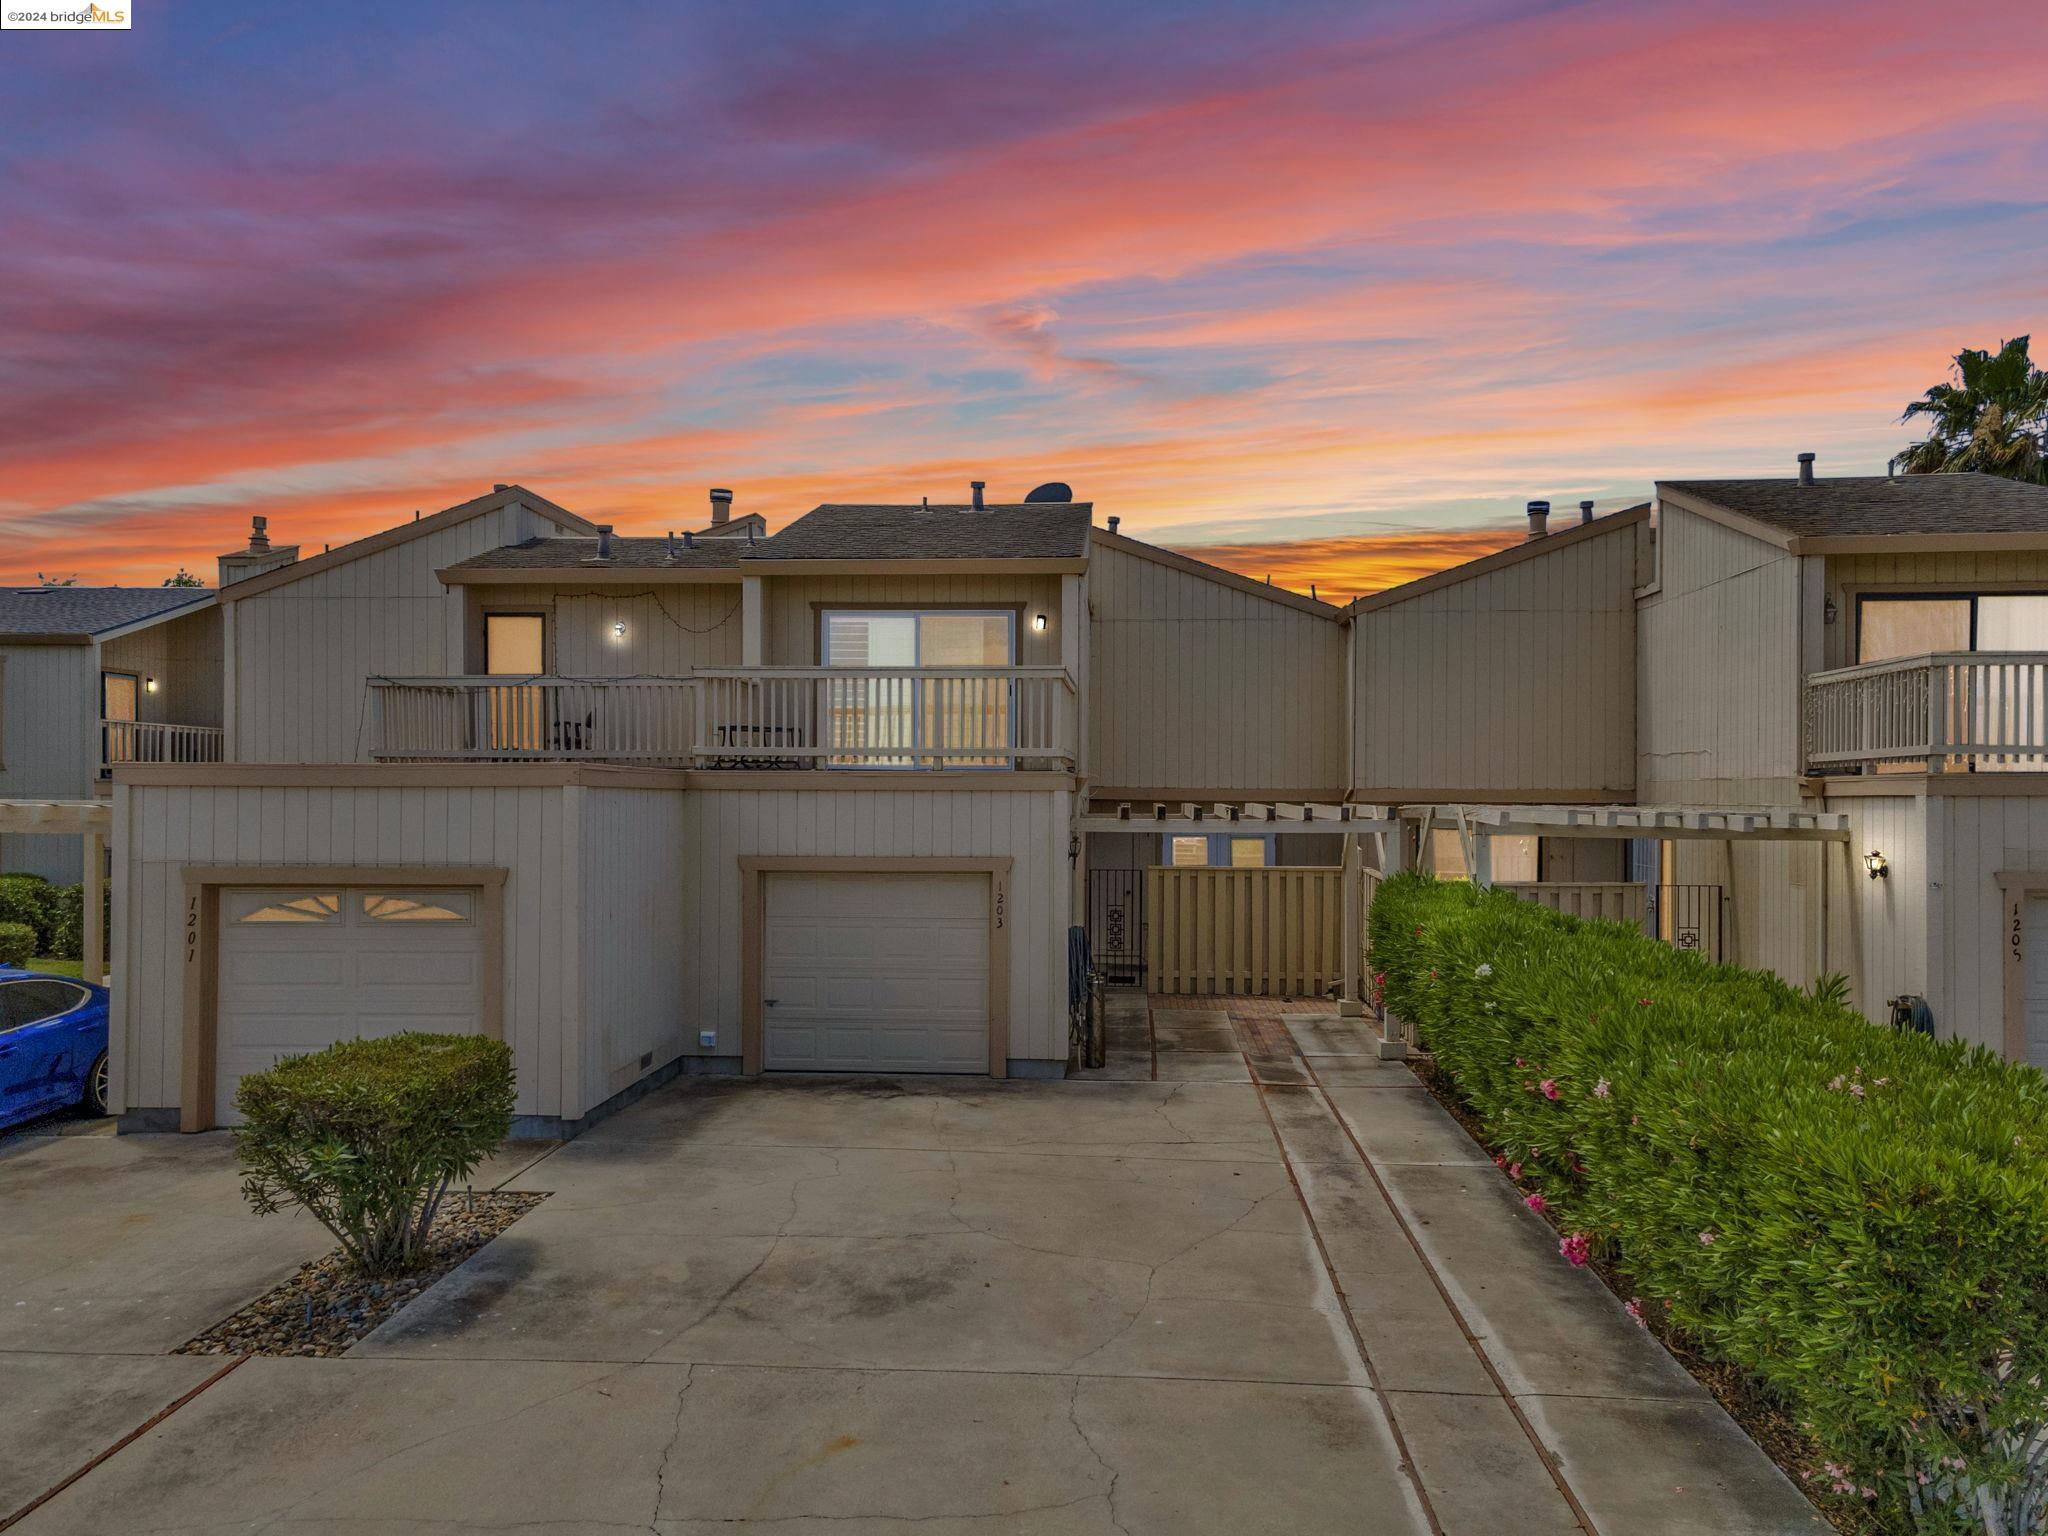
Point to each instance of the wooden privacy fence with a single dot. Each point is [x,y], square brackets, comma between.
[1274,932]
[1614,902]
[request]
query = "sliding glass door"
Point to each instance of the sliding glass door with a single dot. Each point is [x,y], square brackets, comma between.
[1987,705]
[890,717]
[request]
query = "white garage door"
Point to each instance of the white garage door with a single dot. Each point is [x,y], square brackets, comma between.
[2034,958]
[876,973]
[301,969]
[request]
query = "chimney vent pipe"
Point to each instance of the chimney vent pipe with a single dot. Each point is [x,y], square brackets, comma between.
[1113,521]
[259,537]
[1585,511]
[978,485]
[1539,519]
[721,505]
[1806,469]
[604,541]
[500,488]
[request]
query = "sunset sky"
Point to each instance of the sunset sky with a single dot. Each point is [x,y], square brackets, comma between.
[1331,289]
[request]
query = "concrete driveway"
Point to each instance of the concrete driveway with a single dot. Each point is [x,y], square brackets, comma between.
[1118,1306]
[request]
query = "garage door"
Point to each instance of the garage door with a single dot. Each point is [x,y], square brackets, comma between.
[875,973]
[301,969]
[2034,958]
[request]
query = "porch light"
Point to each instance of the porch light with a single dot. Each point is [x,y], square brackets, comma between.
[1875,863]
[1038,623]
[618,629]
[149,685]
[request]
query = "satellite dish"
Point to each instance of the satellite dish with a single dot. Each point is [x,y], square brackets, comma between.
[1052,490]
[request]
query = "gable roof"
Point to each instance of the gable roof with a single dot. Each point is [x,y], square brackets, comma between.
[580,554]
[1038,530]
[1868,508]
[447,517]
[1223,576]
[1514,554]
[80,613]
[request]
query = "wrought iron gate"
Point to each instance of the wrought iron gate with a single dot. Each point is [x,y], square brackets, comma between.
[1688,917]
[1116,925]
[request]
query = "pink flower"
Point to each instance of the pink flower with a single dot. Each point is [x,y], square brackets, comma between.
[1577,1248]
[1603,1089]
[1709,1238]
[1537,1203]
[1548,1088]
[1514,1170]
[1634,1308]
[1500,1162]
[1836,1085]
[1643,1002]
[1856,1089]
[1520,1063]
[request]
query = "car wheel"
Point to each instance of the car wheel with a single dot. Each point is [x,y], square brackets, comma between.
[95,1099]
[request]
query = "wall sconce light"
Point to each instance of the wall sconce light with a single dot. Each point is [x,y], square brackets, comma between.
[149,685]
[618,629]
[1827,611]
[1876,864]
[1038,623]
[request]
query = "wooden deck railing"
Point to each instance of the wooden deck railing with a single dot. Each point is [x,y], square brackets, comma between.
[1982,710]
[158,741]
[740,717]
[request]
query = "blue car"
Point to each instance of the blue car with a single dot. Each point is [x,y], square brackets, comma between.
[53,1045]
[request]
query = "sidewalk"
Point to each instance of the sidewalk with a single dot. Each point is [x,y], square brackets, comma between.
[1521,1393]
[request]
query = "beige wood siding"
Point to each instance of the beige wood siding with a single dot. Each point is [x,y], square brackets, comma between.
[1719,691]
[1519,682]
[532,831]
[790,633]
[1879,934]
[49,745]
[1970,838]
[303,650]
[669,628]
[722,826]
[632,851]
[1201,686]
[1276,932]
[1988,571]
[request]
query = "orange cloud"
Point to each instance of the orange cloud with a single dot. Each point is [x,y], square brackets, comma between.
[1339,569]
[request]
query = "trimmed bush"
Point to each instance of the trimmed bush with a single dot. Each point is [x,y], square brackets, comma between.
[17,943]
[26,899]
[1856,1216]
[67,922]
[368,1135]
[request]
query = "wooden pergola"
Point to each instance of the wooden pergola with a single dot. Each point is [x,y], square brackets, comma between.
[92,820]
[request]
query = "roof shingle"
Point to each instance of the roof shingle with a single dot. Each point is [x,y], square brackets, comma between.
[1880,505]
[1039,530]
[633,554]
[87,610]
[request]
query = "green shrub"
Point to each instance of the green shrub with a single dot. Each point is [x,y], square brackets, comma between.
[17,944]
[26,899]
[369,1134]
[1856,1216]
[67,922]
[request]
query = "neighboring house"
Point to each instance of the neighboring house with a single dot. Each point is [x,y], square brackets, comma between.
[1861,662]
[710,802]
[92,677]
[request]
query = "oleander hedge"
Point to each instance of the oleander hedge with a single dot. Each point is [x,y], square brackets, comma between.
[1857,1217]
[17,943]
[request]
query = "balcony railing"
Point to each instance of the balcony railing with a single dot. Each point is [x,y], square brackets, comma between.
[742,717]
[1958,711]
[155,741]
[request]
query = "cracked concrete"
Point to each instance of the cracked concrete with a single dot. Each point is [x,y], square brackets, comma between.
[1127,1306]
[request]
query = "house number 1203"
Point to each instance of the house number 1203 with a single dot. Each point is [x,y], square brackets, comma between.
[1002,901]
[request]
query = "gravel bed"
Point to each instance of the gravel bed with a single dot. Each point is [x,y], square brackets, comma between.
[325,1306]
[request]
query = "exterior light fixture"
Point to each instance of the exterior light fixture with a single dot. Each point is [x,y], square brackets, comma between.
[1875,863]
[1038,623]
[149,685]
[618,629]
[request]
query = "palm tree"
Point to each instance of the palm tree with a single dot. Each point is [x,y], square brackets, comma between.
[1995,422]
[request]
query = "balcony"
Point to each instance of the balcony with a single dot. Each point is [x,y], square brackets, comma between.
[155,741]
[920,718]
[1954,712]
